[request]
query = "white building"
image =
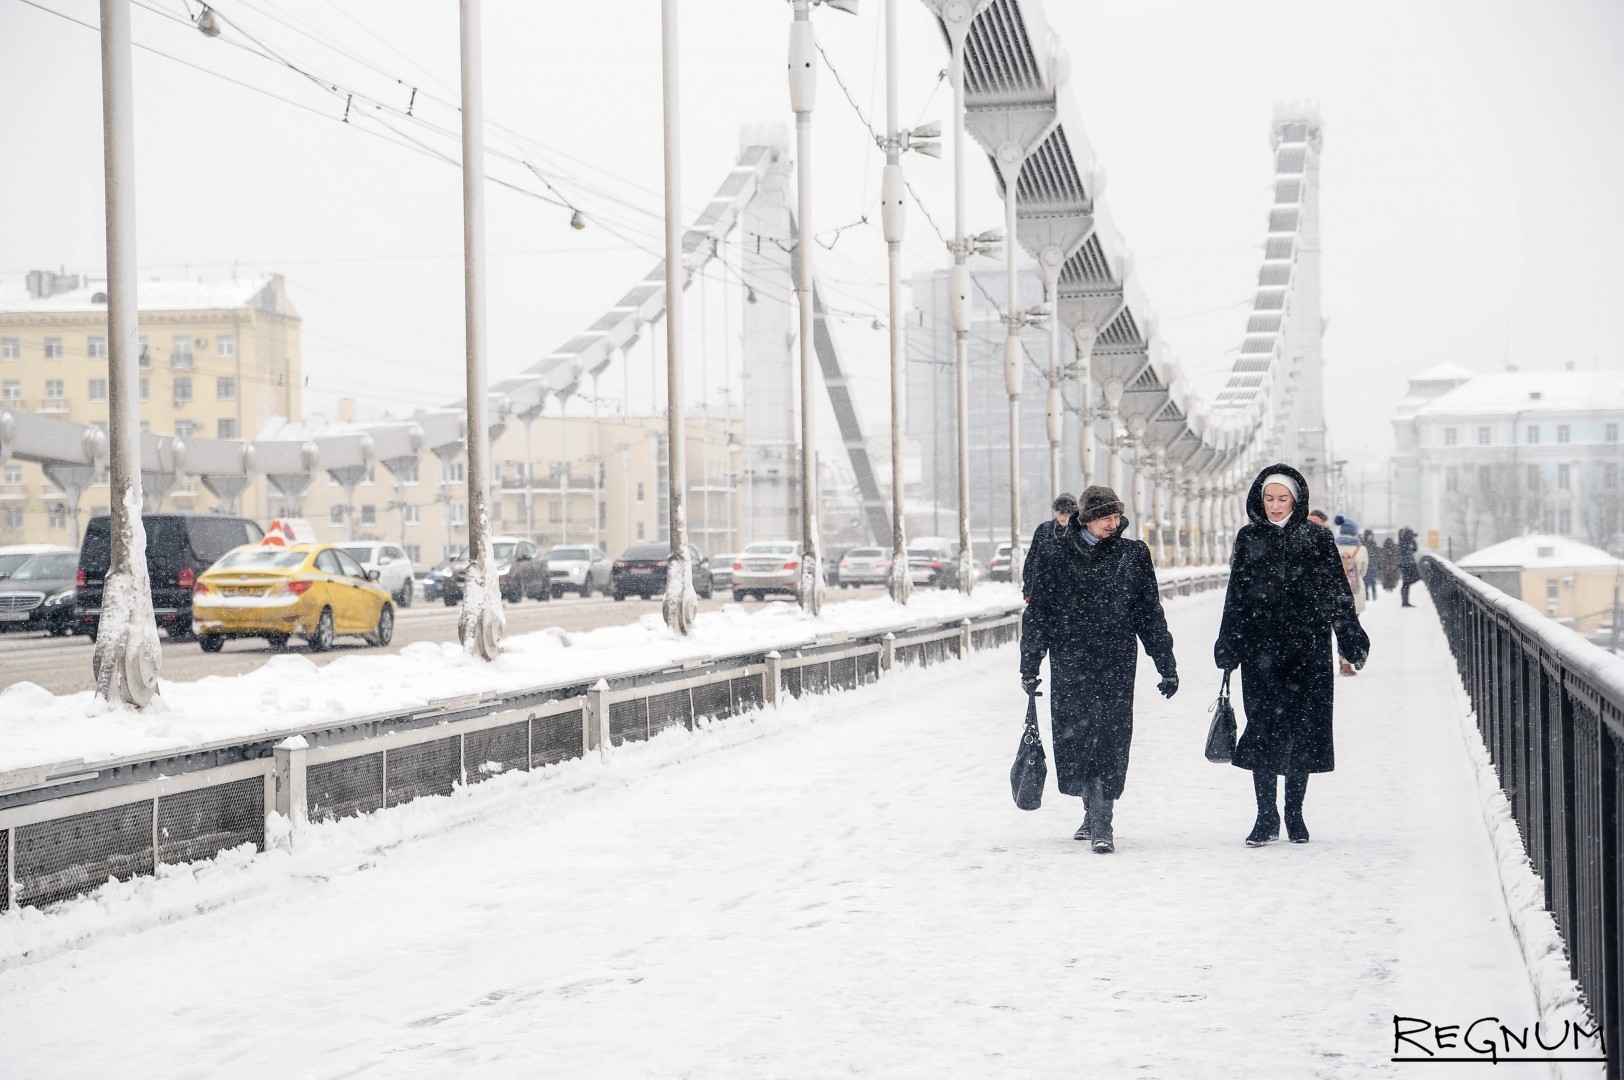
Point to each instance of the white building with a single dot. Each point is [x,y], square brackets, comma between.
[1481,458]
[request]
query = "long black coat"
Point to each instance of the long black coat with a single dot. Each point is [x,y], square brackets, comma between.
[1039,535]
[1088,605]
[1287,592]
[1408,570]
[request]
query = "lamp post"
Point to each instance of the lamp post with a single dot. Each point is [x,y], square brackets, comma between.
[803,85]
[481,622]
[127,656]
[681,605]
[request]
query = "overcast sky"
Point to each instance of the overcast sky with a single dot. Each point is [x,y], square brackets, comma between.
[1471,158]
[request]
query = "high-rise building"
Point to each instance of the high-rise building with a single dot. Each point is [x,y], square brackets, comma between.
[932,422]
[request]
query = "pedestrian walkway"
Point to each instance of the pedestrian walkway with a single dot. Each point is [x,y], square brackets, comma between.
[842,888]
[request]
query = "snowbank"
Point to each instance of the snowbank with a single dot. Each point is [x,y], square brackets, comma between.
[290,692]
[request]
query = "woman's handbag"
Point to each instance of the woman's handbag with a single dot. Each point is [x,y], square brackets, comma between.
[1031,769]
[1221,735]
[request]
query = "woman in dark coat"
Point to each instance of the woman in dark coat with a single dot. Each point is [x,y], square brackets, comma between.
[1287,593]
[1093,594]
[1373,565]
[1408,571]
[1389,564]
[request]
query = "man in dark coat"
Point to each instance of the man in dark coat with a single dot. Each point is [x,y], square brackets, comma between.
[1093,594]
[1287,592]
[1065,505]
[1409,571]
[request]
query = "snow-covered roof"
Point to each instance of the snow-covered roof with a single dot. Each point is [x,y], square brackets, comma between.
[175,295]
[1538,551]
[1445,373]
[1531,392]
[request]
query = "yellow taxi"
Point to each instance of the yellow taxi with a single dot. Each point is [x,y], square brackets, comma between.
[277,590]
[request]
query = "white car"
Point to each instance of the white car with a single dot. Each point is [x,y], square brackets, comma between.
[394,569]
[578,569]
[864,566]
[14,555]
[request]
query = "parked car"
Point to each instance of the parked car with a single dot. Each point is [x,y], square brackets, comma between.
[933,561]
[640,571]
[721,567]
[767,566]
[998,565]
[179,548]
[394,568]
[14,555]
[315,591]
[519,564]
[864,566]
[38,593]
[579,569]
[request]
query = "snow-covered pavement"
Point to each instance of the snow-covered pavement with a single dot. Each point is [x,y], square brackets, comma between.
[842,887]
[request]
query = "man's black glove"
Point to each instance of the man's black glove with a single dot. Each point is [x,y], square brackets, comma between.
[1169,686]
[1030,684]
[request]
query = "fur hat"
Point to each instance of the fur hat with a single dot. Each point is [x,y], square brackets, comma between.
[1065,502]
[1099,501]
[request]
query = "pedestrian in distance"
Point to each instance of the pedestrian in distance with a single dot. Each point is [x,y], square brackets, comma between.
[1373,566]
[1065,505]
[1390,574]
[1287,594]
[1408,571]
[1317,517]
[1094,599]
[1355,563]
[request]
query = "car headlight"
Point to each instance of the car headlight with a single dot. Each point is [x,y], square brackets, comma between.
[63,597]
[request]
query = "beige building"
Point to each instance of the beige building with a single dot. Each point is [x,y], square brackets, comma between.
[218,360]
[582,481]
[1571,582]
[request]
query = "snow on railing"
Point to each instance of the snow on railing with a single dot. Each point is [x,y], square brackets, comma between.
[1549,707]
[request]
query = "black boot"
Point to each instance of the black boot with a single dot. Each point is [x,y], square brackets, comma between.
[1084,829]
[1099,818]
[1296,788]
[1267,826]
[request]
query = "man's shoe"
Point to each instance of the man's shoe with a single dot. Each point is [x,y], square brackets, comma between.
[1082,832]
[1103,845]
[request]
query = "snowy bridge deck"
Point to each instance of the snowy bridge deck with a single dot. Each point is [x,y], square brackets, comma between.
[841,887]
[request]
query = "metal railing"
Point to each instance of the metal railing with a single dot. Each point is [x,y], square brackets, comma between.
[1550,708]
[65,829]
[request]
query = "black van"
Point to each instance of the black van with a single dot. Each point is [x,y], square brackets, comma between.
[179,548]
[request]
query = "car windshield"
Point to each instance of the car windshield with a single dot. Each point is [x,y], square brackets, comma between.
[924,553]
[569,554]
[9,563]
[361,552]
[770,549]
[262,559]
[864,553]
[647,551]
[504,551]
[42,567]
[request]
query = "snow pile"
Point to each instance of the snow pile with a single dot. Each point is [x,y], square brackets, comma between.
[289,692]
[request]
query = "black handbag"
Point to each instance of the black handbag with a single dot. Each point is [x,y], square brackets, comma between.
[1221,734]
[1031,769]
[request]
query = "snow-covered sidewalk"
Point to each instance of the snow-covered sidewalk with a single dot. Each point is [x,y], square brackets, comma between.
[842,887]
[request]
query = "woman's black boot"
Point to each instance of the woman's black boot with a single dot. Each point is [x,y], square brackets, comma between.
[1267,826]
[1296,788]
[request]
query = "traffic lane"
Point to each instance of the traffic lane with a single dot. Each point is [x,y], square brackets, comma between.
[62,665]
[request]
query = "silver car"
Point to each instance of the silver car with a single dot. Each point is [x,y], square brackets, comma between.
[394,568]
[583,570]
[767,566]
[864,566]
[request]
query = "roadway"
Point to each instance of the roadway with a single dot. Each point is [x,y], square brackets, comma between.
[62,665]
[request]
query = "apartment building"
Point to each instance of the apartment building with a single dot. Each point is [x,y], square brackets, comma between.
[218,359]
